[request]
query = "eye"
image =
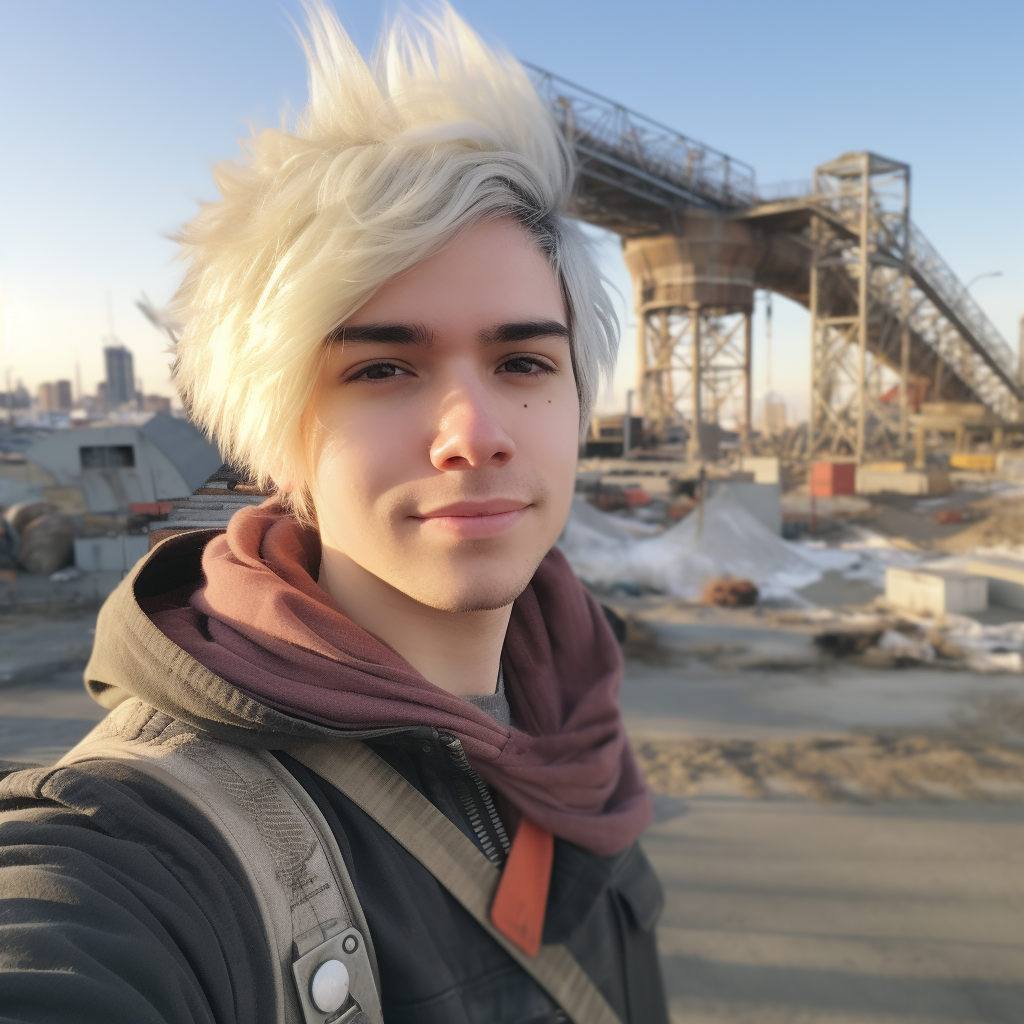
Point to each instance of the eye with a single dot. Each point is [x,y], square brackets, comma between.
[379,371]
[526,365]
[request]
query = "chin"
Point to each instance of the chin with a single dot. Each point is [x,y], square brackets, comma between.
[482,592]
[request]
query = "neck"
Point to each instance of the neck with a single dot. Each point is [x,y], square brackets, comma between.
[457,651]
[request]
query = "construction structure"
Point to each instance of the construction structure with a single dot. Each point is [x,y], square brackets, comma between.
[891,324]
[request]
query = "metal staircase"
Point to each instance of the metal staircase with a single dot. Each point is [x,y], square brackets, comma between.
[913,325]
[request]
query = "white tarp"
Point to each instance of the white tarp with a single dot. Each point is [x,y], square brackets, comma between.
[726,540]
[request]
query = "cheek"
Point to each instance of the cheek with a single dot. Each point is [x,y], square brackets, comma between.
[361,454]
[552,437]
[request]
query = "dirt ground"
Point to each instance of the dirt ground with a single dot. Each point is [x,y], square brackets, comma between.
[859,768]
[988,519]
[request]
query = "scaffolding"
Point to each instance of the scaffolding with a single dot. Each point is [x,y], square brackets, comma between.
[694,375]
[892,325]
[860,275]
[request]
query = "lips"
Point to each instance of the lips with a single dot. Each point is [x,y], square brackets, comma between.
[472,509]
[473,520]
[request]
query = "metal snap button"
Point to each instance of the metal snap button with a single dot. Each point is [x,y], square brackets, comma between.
[329,987]
[351,944]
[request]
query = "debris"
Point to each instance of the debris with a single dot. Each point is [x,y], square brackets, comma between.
[995,661]
[943,646]
[67,575]
[47,544]
[681,507]
[19,516]
[609,499]
[905,648]
[727,592]
[854,767]
[844,641]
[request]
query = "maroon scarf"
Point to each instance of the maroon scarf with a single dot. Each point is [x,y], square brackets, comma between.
[261,622]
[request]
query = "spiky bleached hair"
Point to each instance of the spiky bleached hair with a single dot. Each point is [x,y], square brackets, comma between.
[387,163]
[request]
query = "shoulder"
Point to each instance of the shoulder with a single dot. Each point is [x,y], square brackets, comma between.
[114,887]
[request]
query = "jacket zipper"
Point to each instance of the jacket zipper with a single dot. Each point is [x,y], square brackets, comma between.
[470,788]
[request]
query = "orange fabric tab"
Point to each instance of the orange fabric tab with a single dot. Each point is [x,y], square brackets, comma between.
[522,897]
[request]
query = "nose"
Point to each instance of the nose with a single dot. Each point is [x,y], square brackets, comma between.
[469,433]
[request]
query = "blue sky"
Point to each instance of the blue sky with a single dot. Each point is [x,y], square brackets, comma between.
[113,113]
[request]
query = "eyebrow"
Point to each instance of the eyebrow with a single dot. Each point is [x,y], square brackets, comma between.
[418,334]
[388,334]
[524,330]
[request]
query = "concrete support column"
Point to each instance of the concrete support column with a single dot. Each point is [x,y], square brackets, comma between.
[695,412]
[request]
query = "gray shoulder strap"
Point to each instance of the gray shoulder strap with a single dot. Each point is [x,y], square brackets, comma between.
[313,921]
[438,844]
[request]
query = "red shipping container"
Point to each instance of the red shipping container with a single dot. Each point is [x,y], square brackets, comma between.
[831,478]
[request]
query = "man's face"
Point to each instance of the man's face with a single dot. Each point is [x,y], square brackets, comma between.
[448,422]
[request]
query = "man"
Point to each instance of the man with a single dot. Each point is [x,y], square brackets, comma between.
[389,321]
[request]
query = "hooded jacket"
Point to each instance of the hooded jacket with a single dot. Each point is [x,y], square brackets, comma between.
[119,901]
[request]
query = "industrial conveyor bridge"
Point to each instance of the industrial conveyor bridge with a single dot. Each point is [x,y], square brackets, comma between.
[891,323]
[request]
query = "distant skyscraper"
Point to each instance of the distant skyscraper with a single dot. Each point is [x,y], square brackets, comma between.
[774,414]
[156,403]
[55,396]
[120,376]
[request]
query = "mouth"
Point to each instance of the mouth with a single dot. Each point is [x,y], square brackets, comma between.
[475,519]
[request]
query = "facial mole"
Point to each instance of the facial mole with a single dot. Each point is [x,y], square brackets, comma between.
[524,405]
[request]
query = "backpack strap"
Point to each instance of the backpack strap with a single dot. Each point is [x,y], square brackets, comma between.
[315,927]
[453,859]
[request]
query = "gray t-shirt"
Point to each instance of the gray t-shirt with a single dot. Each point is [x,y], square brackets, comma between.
[495,704]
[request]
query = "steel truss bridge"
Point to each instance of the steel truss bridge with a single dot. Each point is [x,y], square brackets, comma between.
[891,323]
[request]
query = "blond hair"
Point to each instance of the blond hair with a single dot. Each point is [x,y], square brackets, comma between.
[387,163]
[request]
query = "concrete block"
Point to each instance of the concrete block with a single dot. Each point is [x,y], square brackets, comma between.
[1005,577]
[1010,465]
[764,467]
[105,554]
[762,501]
[926,483]
[935,591]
